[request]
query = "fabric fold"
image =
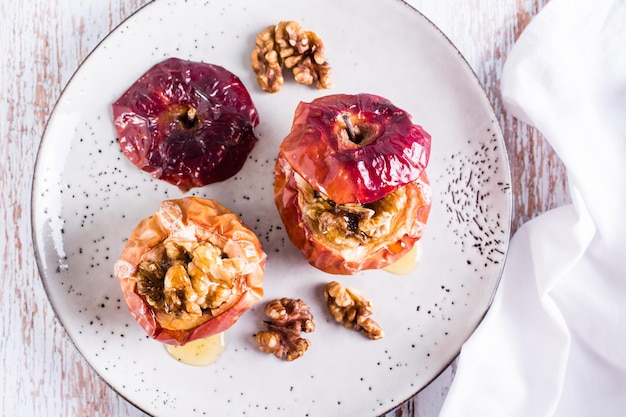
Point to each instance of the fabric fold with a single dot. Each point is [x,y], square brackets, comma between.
[553,344]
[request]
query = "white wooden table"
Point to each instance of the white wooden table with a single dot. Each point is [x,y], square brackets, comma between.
[42,42]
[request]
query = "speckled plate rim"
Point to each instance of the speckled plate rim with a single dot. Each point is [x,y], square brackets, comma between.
[34,231]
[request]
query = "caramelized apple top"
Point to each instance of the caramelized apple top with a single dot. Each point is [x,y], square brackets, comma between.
[355,148]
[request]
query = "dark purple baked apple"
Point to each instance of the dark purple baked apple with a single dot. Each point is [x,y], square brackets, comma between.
[187,123]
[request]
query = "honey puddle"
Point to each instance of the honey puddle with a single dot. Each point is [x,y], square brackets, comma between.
[201,352]
[408,262]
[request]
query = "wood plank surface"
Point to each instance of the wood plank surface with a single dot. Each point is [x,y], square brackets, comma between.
[42,43]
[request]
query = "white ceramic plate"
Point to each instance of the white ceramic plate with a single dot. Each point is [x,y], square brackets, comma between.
[87,197]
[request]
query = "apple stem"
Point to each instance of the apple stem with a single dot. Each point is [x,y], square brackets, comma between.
[350,128]
[189,119]
[191,114]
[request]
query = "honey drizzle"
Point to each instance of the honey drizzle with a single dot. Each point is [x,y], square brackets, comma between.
[201,352]
[408,263]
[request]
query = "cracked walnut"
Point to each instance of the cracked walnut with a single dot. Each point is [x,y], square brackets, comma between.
[288,44]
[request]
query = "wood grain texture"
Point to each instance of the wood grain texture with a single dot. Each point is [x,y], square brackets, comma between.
[42,43]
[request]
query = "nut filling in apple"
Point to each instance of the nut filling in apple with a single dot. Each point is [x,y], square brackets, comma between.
[349,225]
[188,282]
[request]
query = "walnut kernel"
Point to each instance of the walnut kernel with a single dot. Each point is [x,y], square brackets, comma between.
[265,62]
[352,309]
[288,319]
[191,278]
[288,44]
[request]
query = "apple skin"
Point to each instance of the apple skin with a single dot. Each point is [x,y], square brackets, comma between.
[409,226]
[393,151]
[155,133]
[213,222]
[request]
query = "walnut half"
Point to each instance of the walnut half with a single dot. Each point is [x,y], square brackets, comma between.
[266,61]
[352,309]
[288,44]
[288,319]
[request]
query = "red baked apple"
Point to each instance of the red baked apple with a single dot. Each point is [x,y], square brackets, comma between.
[350,184]
[187,123]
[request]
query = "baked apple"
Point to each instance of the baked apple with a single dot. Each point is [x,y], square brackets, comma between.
[190,270]
[187,123]
[350,182]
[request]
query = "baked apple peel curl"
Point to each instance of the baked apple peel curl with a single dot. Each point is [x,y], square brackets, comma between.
[190,270]
[350,182]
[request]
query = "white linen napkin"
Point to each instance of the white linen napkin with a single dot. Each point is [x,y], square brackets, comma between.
[554,341]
